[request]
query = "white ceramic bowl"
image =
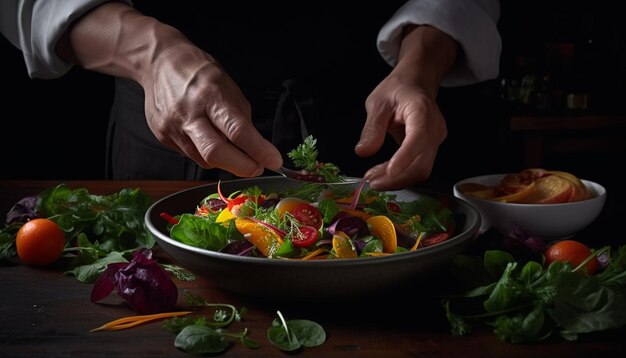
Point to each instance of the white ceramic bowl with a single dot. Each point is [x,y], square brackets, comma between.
[548,221]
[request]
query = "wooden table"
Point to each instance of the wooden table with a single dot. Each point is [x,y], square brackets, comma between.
[46,314]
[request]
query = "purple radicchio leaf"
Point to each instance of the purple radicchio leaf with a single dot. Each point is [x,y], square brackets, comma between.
[23,210]
[215,204]
[142,283]
[518,239]
[351,225]
[239,247]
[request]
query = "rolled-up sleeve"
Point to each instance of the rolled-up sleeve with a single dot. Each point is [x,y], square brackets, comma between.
[35,26]
[472,23]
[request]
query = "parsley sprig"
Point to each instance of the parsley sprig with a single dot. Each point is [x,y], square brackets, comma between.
[305,157]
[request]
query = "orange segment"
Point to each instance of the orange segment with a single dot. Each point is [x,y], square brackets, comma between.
[263,238]
[343,246]
[382,227]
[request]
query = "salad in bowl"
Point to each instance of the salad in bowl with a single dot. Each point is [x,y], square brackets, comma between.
[312,221]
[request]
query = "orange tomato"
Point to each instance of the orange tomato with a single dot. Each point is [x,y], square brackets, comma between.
[40,242]
[572,251]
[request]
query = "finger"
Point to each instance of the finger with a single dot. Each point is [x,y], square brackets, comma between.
[239,130]
[181,143]
[425,130]
[379,115]
[214,150]
[418,171]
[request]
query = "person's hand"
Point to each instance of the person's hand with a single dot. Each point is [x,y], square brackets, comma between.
[191,103]
[406,112]
[194,106]
[403,106]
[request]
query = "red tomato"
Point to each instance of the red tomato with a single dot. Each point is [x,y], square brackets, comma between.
[308,237]
[393,207]
[308,215]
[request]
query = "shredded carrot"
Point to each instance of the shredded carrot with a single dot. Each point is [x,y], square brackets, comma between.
[313,254]
[417,242]
[131,321]
[378,254]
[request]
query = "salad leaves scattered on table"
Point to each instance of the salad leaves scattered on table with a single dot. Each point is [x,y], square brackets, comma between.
[527,302]
[99,229]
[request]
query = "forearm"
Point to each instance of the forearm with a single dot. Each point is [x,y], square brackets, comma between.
[426,56]
[116,39]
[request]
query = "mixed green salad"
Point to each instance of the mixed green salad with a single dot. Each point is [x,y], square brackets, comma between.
[314,220]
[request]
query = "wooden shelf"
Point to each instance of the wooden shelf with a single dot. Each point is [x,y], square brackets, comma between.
[571,134]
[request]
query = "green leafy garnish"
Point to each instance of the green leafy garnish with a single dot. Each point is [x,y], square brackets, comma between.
[305,157]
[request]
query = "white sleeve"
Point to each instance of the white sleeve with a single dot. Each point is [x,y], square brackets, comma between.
[35,27]
[472,23]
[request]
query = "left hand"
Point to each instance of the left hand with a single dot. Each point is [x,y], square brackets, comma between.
[404,106]
[405,111]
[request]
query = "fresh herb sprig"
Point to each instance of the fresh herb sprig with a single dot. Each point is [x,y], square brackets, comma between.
[304,157]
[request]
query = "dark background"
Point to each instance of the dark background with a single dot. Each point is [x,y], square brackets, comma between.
[55,129]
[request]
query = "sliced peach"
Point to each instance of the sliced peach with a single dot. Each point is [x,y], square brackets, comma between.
[515,182]
[478,190]
[517,197]
[580,190]
[550,189]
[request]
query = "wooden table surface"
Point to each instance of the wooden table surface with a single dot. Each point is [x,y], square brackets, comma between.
[44,313]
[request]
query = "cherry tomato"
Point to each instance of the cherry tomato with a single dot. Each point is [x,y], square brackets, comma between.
[40,242]
[309,236]
[308,215]
[574,252]
[393,207]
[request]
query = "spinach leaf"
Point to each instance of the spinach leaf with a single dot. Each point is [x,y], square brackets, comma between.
[199,232]
[294,334]
[201,340]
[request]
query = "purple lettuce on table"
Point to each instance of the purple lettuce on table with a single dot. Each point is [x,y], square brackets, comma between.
[23,210]
[142,283]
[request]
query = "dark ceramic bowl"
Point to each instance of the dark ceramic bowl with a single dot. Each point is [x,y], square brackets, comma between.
[317,280]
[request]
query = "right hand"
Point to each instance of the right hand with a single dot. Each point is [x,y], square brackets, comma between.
[191,104]
[194,106]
